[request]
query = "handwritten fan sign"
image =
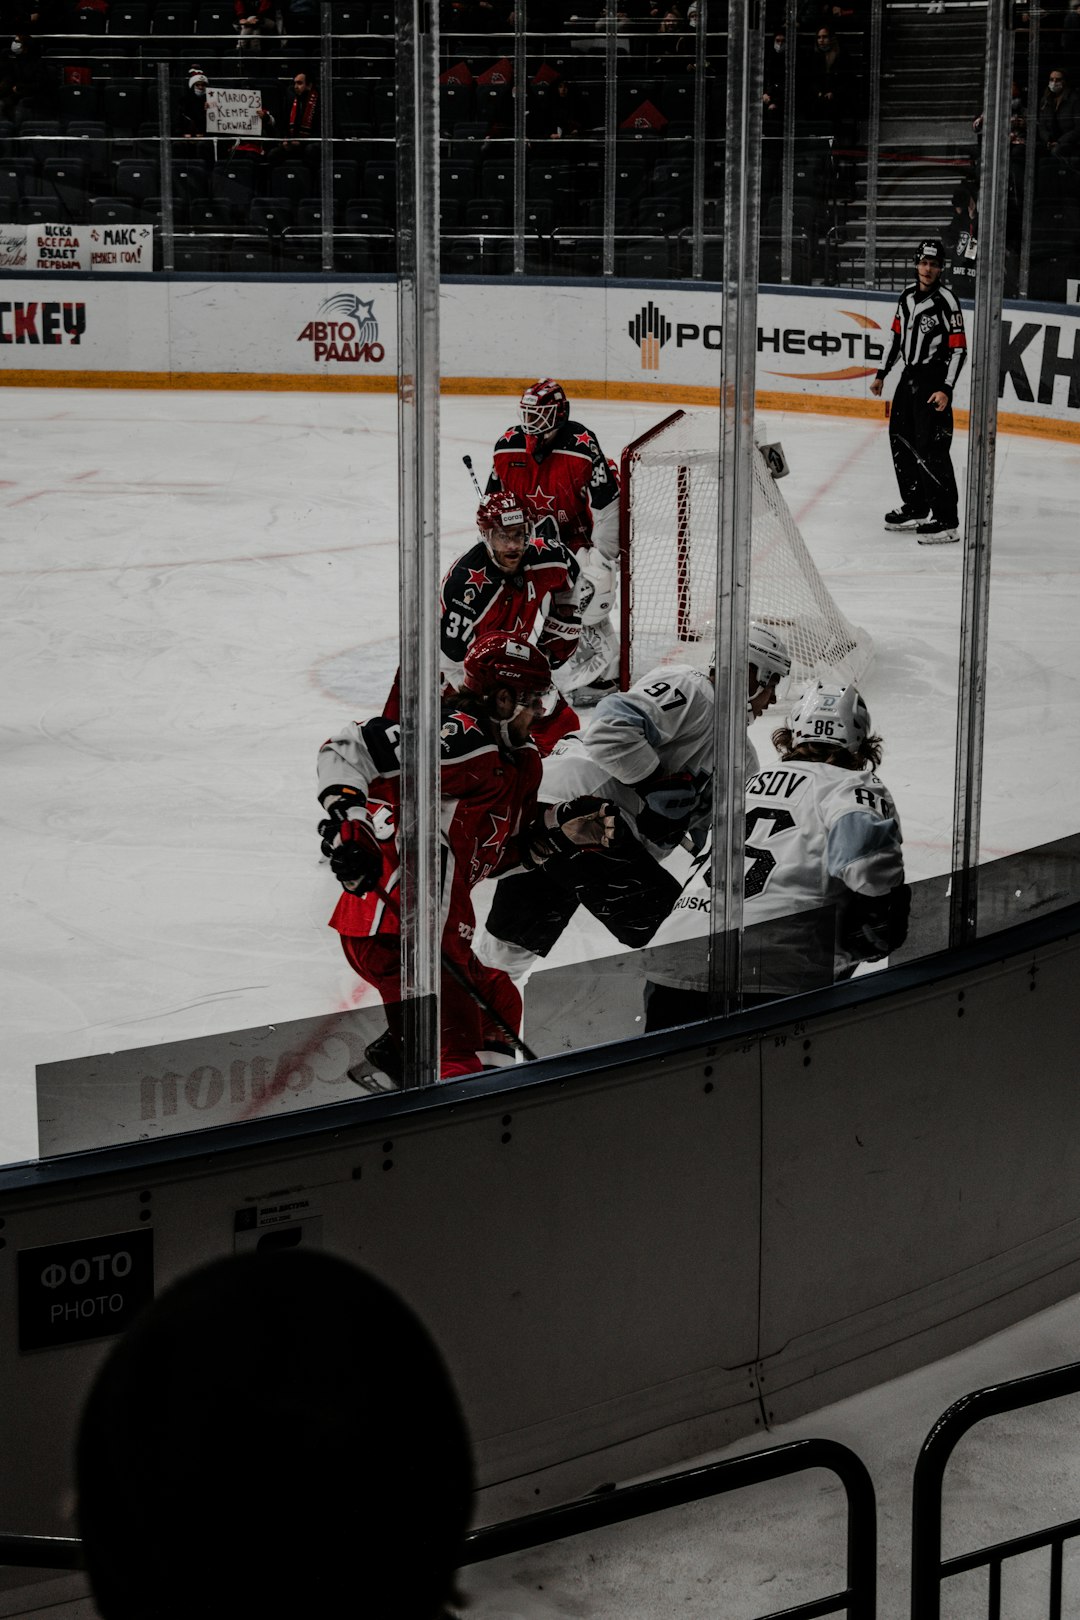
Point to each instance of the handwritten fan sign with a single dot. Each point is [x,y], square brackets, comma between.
[233,112]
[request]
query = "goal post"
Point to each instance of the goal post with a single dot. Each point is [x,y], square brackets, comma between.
[668,516]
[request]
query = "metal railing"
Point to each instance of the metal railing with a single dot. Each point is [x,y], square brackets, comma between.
[928,1569]
[858,1598]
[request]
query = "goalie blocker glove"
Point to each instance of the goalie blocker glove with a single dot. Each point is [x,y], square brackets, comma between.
[668,804]
[556,830]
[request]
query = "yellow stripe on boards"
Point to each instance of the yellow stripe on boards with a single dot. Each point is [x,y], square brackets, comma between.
[637,392]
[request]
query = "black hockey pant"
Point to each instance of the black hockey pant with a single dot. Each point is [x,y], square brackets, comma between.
[624,888]
[920,439]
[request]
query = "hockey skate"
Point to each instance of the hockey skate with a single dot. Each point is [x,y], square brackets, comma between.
[905,517]
[384,1057]
[937,534]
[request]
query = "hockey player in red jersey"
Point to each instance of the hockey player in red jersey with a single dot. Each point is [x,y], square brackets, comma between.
[516,580]
[559,465]
[489,824]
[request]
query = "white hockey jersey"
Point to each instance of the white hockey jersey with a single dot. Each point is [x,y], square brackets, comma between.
[664,722]
[812,832]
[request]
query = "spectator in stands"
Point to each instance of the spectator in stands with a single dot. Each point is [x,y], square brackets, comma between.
[302,117]
[192,111]
[276,1435]
[828,91]
[1058,126]
[23,74]
[1070,40]
[775,83]
[254,20]
[563,116]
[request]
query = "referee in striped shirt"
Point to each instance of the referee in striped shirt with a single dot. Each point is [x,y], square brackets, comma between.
[928,336]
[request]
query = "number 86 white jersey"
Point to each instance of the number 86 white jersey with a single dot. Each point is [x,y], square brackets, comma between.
[813,830]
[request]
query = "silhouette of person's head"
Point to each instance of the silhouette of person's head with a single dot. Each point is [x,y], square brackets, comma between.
[276,1436]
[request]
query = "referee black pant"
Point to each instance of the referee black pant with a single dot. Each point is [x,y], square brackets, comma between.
[920,438]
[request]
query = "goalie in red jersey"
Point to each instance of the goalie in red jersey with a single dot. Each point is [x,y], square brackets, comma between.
[559,465]
[490,823]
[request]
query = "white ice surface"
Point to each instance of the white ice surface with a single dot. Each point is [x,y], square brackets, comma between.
[200,586]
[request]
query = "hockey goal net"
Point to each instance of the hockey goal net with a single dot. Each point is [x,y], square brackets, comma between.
[668,523]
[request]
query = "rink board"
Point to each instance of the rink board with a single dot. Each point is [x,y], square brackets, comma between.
[818,349]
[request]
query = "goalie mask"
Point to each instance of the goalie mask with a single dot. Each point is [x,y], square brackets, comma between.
[504,660]
[835,715]
[505,523]
[544,409]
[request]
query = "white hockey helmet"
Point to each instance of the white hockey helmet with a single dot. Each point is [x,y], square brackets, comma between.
[768,654]
[831,714]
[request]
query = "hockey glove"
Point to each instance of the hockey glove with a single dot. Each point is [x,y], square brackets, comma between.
[668,803]
[562,828]
[337,802]
[355,857]
[871,927]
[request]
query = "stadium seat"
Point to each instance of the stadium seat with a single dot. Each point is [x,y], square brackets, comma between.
[345,179]
[249,259]
[380,181]
[211,214]
[272,214]
[113,211]
[486,214]
[9,199]
[645,261]
[190,256]
[63,184]
[292,180]
[174,17]
[123,107]
[79,101]
[364,216]
[309,214]
[457,181]
[234,182]
[213,18]
[129,17]
[136,180]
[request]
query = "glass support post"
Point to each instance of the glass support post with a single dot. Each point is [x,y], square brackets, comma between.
[326,145]
[738,360]
[873,140]
[611,62]
[168,229]
[697,237]
[1028,214]
[521,94]
[979,504]
[416,40]
[787,147]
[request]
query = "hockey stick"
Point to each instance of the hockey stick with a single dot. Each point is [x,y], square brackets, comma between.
[468,462]
[909,446]
[460,979]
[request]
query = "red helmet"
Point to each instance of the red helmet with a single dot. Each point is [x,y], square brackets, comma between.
[505,660]
[544,407]
[505,511]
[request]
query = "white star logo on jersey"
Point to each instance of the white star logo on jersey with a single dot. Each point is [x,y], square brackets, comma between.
[478,577]
[583,438]
[546,503]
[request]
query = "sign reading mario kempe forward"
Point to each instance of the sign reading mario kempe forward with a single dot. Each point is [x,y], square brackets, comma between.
[233,112]
[87,1289]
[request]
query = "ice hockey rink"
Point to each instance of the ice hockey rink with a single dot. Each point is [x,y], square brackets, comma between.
[200,586]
